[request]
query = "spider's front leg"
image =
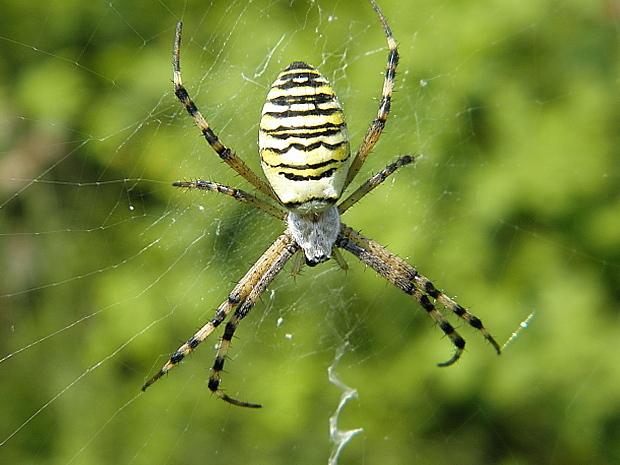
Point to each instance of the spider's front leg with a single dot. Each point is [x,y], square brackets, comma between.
[244,308]
[406,278]
[245,294]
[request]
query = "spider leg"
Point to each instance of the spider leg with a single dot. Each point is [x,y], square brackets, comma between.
[224,152]
[258,274]
[455,308]
[374,131]
[244,308]
[237,194]
[373,182]
[406,278]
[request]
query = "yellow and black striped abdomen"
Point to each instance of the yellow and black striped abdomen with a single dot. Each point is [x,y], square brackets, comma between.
[303,140]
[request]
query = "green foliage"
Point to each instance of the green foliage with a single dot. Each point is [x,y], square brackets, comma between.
[512,208]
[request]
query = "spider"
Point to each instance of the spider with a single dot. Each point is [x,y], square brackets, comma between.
[305,156]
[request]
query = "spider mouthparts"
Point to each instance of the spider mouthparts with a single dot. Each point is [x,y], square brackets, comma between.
[314,261]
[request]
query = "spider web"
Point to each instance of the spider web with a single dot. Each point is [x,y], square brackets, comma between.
[512,208]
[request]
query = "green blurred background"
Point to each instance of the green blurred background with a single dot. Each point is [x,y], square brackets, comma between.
[513,208]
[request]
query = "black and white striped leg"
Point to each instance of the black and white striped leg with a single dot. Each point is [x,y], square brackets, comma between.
[224,152]
[406,278]
[242,311]
[376,128]
[373,182]
[247,291]
[236,194]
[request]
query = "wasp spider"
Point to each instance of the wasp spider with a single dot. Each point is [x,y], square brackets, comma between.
[305,155]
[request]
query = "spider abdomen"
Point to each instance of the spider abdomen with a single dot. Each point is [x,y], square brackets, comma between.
[303,140]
